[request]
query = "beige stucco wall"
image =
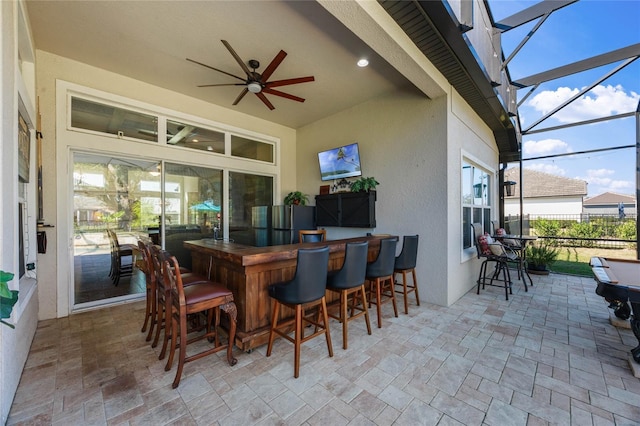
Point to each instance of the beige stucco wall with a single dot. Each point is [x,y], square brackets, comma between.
[54,294]
[468,137]
[414,147]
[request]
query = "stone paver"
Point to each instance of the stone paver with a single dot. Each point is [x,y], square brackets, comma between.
[547,356]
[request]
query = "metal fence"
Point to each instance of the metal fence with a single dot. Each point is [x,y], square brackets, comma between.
[579,230]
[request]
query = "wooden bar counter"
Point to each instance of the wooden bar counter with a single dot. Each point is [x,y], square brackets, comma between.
[247,271]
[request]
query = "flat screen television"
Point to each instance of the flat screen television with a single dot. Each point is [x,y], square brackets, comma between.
[340,162]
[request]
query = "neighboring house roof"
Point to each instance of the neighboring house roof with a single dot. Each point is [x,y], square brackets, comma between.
[609,198]
[539,184]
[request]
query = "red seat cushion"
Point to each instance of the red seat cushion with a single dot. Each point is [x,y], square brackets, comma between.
[203,291]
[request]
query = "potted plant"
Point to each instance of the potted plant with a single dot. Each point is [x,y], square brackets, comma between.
[539,256]
[8,298]
[364,184]
[296,198]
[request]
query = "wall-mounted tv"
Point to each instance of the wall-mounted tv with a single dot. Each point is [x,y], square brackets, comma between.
[341,162]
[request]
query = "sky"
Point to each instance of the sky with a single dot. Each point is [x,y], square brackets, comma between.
[579,31]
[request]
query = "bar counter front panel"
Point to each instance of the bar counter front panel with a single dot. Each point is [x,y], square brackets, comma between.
[248,271]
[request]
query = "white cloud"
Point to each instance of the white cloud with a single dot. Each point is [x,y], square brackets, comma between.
[601,101]
[600,181]
[547,168]
[545,147]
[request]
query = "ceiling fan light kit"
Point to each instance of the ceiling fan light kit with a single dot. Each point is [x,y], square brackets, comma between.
[254,87]
[257,83]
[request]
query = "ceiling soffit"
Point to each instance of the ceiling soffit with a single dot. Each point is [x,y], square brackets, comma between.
[433,30]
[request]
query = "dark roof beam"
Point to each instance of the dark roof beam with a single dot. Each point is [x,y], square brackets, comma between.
[580,93]
[583,65]
[581,123]
[525,40]
[531,13]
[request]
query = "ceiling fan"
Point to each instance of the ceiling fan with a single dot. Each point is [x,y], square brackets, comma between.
[255,82]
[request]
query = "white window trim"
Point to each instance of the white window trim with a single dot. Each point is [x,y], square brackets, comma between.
[469,253]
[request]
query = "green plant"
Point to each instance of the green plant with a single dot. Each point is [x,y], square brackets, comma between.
[541,254]
[364,184]
[8,298]
[296,197]
[627,230]
[547,228]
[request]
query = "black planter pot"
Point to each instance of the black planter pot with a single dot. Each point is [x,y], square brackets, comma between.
[538,269]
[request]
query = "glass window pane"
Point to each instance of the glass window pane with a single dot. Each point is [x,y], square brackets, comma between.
[245,192]
[466,227]
[479,186]
[477,215]
[192,207]
[487,220]
[108,194]
[190,136]
[109,119]
[248,148]
[467,195]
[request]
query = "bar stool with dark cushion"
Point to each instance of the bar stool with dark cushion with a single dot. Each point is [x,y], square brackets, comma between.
[306,290]
[206,297]
[349,281]
[380,277]
[406,262]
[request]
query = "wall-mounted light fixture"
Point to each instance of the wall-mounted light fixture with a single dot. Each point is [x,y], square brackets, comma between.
[508,187]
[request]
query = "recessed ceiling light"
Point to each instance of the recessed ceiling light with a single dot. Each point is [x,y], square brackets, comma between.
[195,140]
[363,63]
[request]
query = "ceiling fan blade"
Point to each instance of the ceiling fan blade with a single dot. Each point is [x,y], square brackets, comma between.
[282,94]
[216,69]
[182,134]
[273,65]
[228,84]
[289,81]
[237,58]
[240,96]
[264,99]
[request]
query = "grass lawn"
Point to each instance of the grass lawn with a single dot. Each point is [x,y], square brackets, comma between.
[575,260]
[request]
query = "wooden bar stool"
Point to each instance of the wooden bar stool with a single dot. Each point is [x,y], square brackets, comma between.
[306,290]
[150,311]
[206,297]
[312,235]
[380,277]
[163,296]
[405,263]
[349,281]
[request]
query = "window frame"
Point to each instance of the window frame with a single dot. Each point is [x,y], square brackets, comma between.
[470,204]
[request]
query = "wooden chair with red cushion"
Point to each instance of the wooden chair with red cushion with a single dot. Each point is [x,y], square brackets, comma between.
[206,297]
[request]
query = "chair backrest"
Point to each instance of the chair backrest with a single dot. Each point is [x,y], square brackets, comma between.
[495,225]
[354,268]
[172,277]
[312,236]
[156,269]
[385,262]
[409,255]
[477,231]
[146,260]
[310,280]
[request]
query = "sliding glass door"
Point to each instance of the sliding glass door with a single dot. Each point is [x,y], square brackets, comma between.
[110,194]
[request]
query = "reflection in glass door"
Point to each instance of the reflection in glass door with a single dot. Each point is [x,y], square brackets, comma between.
[115,201]
[192,208]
